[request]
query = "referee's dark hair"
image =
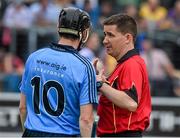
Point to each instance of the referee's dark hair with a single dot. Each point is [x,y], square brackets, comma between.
[125,24]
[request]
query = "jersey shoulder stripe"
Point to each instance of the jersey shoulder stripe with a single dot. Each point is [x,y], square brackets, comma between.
[91,77]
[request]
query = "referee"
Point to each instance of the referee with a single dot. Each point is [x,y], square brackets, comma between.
[125,103]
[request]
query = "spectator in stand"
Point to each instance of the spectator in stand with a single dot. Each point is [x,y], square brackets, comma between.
[174,15]
[92,7]
[3,5]
[106,10]
[17,15]
[160,69]
[131,10]
[13,69]
[153,13]
[124,3]
[59,4]
[142,33]
[45,13]
[64,3]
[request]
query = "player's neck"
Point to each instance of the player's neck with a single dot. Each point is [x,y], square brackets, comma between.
[69,42]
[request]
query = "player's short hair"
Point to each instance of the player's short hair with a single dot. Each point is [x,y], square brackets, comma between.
[124,23]
[72,22]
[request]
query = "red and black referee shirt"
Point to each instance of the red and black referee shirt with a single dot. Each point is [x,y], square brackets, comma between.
[130,70]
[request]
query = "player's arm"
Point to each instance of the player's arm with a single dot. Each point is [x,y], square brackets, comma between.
[86,120]
[22,109]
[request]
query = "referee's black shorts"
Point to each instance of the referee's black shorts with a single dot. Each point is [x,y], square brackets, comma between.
[137,134]
[32,133]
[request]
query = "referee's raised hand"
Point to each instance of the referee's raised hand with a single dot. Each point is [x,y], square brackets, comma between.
[98,65]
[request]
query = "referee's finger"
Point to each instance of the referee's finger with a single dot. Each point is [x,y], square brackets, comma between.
[94,62]
[101,72]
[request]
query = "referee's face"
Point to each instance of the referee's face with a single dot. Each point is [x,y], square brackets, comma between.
[114,41]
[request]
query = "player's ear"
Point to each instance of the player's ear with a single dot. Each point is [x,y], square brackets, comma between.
[85,35]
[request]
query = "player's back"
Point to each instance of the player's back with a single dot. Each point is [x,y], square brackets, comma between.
[55,89]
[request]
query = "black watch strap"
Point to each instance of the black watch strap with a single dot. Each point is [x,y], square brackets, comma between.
[99,84]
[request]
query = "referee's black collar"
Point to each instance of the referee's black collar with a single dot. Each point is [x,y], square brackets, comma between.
[129,54]
[60,47]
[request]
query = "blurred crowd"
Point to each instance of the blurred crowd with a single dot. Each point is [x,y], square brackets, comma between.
[158,37]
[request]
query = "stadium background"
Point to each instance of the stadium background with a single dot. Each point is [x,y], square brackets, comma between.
[25,27]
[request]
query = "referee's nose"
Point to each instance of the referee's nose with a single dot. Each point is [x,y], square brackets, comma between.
[105,40]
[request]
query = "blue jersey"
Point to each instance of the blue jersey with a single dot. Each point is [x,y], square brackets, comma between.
[56,82]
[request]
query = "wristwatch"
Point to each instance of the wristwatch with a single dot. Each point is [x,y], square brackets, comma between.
[99,84]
